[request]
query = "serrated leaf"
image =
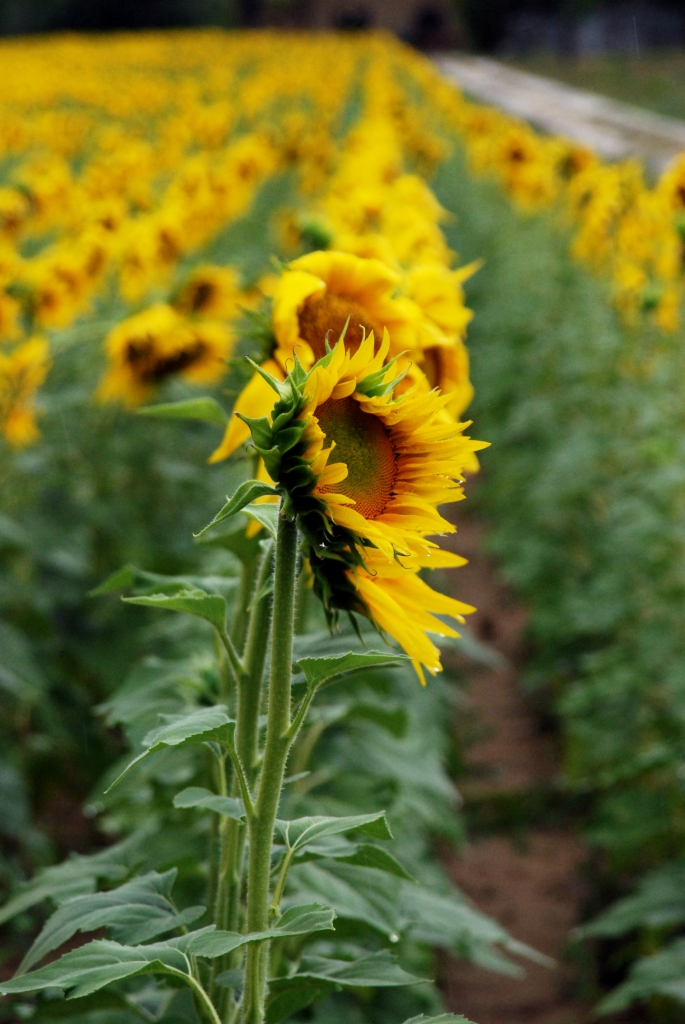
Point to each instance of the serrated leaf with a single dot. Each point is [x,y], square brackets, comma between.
[136,912]
[206,409]
[248,492]
[378,970]
[197,796]
[204,725]
[298,833]
[300,920]
[321,671]
[265,515]
[211,607]
[100,963]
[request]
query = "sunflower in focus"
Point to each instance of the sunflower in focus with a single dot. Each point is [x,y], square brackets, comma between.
[148,348]
[22,372]
[365,476]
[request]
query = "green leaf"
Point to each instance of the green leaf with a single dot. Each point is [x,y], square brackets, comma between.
[378,970]
[248,492]
[355,893]
[450,922]
[318,975]
[287,997]
[19,673]
[301,920]
[443,1018]
[298,833]
[196,796]
[266,515]
[204,725]
[658,901]
[121,579]
[136,912]
[369,856]
[661,974]
[321,671]
[76,876]
[206,409]
[211,607]
[99,963]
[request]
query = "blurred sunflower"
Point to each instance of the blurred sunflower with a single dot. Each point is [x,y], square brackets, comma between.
[22,372]
[159,343]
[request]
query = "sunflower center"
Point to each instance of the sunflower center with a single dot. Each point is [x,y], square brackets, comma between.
[323,313]
[433,365]
[363,443]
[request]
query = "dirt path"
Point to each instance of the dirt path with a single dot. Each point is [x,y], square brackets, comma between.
[613,129]
[532,886]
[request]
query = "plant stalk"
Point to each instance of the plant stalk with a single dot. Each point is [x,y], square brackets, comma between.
[277,745]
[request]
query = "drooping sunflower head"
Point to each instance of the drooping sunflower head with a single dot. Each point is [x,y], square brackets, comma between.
[364,470]
[146,349]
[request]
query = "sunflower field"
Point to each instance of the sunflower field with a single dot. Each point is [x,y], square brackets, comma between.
[237,272]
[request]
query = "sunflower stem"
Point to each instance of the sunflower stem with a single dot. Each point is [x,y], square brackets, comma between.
[277,746]
[232,842]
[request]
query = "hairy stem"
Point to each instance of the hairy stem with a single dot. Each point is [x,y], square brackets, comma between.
[277,745]
[247,729]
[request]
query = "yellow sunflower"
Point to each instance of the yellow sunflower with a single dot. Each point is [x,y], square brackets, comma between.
[158,343]
[313,300]
[394,460]
[22,372]
[364,470]
[210,291]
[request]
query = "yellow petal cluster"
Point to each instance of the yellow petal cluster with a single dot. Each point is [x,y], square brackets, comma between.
[22,371]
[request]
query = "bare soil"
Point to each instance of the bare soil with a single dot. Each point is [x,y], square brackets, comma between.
[531,885]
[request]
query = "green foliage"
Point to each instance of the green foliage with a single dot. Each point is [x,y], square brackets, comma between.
[584,490]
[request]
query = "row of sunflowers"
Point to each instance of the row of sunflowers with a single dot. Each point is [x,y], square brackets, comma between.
[130,167]
[122,222]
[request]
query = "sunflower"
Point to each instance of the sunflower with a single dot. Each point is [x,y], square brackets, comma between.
[22,371]
[210,292]
[315,298]
[383,464]
[364,471]
[158,343]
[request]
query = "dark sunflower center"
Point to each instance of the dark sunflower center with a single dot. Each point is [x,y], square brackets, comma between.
[433,366]
[321,314]
[201,296]
[363,443]
[151,367]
